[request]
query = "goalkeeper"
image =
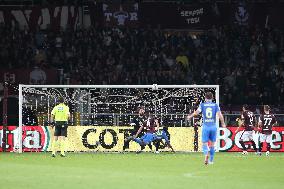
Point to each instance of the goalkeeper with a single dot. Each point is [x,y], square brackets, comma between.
[163,134]
[59,117]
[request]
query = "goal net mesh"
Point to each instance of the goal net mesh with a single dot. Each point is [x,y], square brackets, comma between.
[104,114]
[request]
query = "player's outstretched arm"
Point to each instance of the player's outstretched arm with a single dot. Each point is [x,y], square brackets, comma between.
[169,145]
[195,113]
[221,118]
[259,124]
[240,122]
[157,124]
[139,131]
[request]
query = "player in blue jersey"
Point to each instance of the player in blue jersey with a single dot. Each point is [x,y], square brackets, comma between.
[163,135]
[210,111]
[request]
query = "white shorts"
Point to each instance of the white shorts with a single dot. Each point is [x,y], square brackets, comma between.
[265,138]
[247,136]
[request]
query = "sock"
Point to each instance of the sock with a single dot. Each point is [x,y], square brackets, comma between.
[53,146]
[260,146]
[150,146]
[243,145]
[62,147]
[142,147]
[268,147]
[254,146]
[157,144]
[212,152]
[205,149]
[126,145]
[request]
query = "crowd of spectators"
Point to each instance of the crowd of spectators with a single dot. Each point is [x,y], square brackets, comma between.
[247,62]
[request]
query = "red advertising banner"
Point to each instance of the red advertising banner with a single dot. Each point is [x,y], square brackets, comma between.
[229,140]
[35,138]
[57,17]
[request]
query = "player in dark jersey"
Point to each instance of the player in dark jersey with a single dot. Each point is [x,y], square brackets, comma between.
[265,123]
[247,121]
[163,135]
[136,122]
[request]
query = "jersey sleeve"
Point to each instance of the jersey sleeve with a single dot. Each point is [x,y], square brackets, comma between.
[68,111]
[260,118]
[243,116]
[217,108]
[199,108]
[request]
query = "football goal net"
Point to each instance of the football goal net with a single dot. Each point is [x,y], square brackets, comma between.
[104,113]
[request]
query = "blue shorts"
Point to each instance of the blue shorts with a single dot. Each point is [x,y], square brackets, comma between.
[209,133]
[148,137]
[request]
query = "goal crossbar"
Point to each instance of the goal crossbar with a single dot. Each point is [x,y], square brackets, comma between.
[119,86]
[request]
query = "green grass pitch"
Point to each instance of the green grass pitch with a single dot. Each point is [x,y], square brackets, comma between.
[146,170]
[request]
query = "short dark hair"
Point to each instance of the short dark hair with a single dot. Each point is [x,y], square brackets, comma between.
[61,99]
[266,108]
[209,95]
[245,106]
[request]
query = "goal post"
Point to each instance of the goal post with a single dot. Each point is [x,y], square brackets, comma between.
[105,101]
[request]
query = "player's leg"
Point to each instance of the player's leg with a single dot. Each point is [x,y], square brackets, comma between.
[243,136]
[127,141]
[268,143]
[165,135]
[150,137]
[150,146]
[268,149]
[126,145]
[62,146]
[54,145]
[156,142]
[212,139]
[211,152]
[143,137]
[141,142]
[260,144]
[260,147]
[250,135]
[171,147]
[205,140]
[55,142]
[63,140]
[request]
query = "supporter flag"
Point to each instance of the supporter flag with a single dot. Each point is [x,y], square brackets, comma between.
[241,14]
[120,14]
